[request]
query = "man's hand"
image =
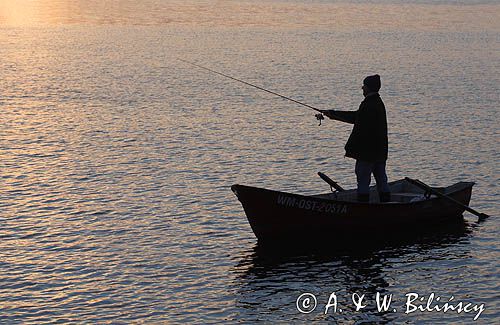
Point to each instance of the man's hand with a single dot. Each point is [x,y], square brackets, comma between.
[326,113]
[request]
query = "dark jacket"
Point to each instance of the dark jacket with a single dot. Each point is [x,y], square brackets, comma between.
[368,139]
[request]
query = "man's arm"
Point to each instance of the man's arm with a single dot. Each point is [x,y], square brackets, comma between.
[343,116]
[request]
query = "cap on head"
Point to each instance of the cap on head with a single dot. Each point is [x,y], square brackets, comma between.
[372,82]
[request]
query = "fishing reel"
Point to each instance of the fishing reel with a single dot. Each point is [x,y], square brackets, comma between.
[319,117]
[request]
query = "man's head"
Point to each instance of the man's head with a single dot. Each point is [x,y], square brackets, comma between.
[371,84]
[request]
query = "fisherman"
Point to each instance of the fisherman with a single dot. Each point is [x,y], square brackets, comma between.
[368,140]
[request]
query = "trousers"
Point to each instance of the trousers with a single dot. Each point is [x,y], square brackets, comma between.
[364,172]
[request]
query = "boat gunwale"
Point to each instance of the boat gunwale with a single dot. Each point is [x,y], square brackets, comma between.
[460,186]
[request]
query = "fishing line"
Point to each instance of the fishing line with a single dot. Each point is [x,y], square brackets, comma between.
[318,116]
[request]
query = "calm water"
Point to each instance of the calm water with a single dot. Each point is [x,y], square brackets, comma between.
[116,158]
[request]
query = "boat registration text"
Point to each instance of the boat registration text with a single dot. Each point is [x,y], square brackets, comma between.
[293,202]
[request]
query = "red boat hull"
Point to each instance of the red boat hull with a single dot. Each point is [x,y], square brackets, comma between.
[275,215]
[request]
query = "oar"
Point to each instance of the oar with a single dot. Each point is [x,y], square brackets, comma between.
[426,187]
[331,182]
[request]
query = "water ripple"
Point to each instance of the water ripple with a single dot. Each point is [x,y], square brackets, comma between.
[116,162]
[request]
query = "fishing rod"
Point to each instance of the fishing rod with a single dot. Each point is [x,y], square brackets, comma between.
[318,116]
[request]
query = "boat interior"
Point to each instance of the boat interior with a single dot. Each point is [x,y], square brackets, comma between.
[401,192]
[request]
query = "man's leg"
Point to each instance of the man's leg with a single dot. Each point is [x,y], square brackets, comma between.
[363,171]
[384,192]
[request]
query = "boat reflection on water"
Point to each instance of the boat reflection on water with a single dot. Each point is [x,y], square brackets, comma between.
[270,278]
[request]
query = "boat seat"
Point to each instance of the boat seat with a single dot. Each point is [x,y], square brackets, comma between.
[408,197]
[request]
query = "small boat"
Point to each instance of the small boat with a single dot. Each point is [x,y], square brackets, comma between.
[275,215]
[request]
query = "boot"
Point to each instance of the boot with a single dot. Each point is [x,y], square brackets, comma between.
[384,196]
[364,197]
